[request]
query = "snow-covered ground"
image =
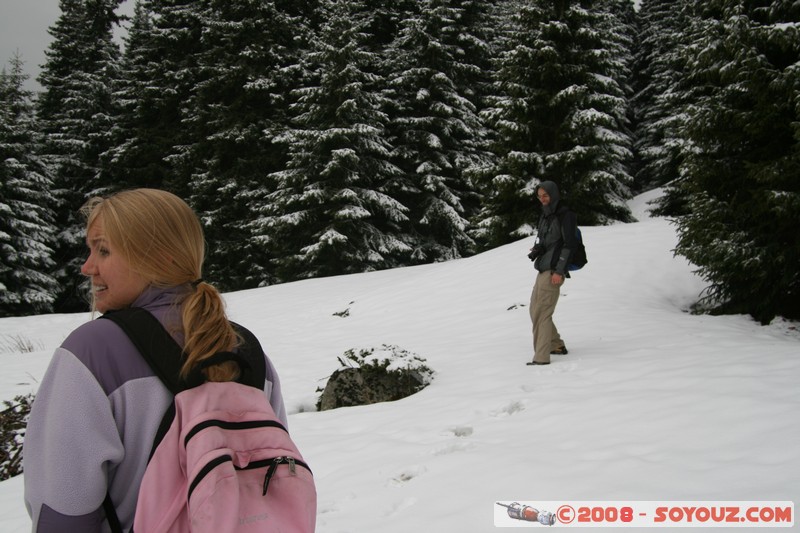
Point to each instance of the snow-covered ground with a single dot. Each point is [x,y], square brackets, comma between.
[652,403]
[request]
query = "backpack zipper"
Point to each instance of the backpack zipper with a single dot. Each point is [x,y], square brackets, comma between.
[272,464]
[274,467]
[233,426]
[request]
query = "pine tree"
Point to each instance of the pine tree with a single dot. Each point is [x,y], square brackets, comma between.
[75,112]
[158,75]
[561,114]
[27,231]
[507,186]
[663,96]
[744,196]
[248,62]
[478,26]
[136,156]
[659,68]
[610,75]
[437,133]
[382,21]
[332,211]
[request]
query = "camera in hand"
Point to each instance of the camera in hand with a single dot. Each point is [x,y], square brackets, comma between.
[536,251]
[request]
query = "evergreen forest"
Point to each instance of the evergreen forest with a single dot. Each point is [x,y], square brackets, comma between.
[325,137]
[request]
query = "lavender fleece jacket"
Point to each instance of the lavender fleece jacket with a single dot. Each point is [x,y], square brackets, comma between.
[93,422]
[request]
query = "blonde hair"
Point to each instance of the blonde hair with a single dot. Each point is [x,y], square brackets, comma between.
[161,239]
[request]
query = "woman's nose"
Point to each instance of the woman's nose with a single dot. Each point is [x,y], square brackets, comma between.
[87,268]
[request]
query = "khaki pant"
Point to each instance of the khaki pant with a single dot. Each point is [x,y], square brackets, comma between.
[543,304]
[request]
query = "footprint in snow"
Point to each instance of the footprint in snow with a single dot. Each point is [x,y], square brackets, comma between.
[407,475]
[510,409]
[462,431]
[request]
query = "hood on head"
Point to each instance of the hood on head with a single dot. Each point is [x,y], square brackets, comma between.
[552,189]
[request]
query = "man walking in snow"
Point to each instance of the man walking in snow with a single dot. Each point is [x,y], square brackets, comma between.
[555,242]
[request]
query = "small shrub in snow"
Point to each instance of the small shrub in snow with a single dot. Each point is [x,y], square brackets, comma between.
[17,343]
[13,420]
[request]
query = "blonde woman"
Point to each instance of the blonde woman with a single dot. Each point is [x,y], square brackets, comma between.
[99,405]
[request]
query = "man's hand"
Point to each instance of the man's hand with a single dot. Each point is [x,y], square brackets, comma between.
[556,278]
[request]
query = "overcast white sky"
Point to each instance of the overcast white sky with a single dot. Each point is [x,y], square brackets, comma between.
[23,28]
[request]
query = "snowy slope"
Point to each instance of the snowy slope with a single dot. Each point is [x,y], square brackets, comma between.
[652,403]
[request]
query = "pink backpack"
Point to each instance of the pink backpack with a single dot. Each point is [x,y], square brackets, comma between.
[226,463]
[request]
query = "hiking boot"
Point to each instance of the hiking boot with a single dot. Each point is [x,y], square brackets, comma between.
[562,350]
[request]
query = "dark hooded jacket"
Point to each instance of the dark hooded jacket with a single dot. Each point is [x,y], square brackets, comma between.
[556,233]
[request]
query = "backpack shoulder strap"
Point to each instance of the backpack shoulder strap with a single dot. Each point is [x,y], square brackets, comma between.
[154,342]
[165,357]
[254,373]
[150,338]
[566,217]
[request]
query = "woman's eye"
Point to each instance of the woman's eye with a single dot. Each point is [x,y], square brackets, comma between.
[103,251]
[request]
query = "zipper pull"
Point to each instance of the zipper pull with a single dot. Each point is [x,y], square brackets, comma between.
[271,472]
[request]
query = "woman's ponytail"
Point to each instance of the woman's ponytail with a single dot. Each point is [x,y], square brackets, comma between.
[207,331]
